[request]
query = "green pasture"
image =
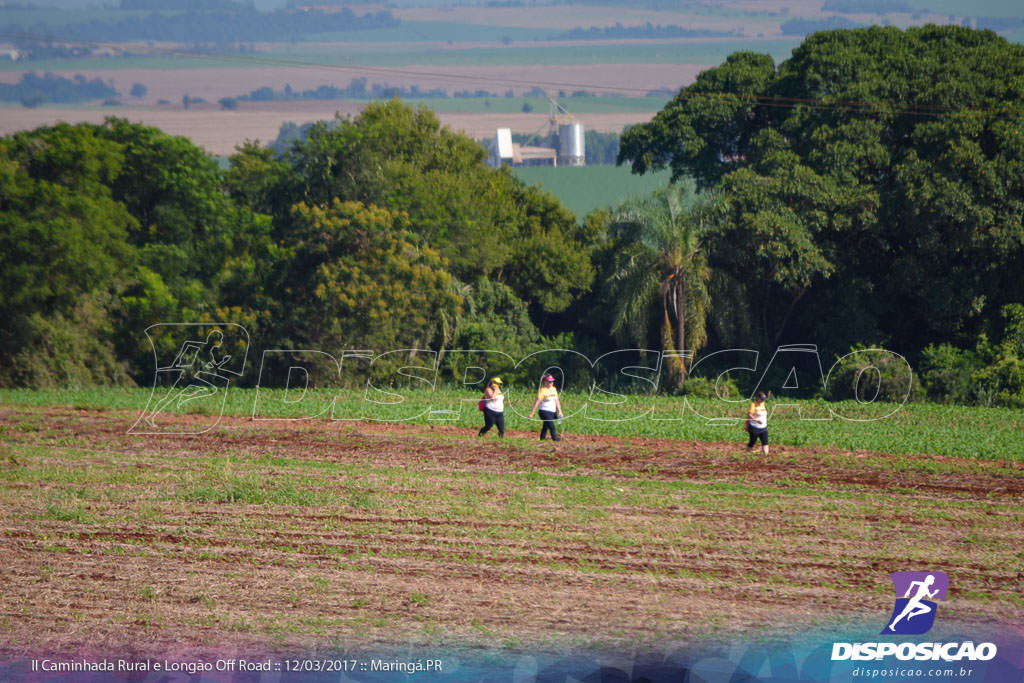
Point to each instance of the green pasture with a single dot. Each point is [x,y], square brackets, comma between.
[165,59]
[534,508]
[417,55]
[585,188]
[31,18]
[476,29]
[651,52]
[324,519]
[914,428]
[516,515]
[440,31]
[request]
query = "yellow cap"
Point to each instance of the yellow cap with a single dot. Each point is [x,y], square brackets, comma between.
[496,380]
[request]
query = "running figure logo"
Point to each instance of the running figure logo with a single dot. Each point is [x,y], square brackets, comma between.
[914,613]
[196,377]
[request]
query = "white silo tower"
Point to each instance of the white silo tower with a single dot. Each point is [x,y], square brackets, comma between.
[572,148]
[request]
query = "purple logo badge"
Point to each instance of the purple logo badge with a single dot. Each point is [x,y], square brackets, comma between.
[914,611]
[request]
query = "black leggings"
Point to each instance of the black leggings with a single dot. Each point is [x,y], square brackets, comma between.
[756,434]
[493,419]
[549,424]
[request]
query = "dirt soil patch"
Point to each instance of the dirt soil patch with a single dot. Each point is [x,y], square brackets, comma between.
[315,534]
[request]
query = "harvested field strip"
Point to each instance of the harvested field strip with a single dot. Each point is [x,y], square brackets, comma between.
[298,534]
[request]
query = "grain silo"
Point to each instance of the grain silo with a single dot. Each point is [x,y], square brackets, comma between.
[572,148]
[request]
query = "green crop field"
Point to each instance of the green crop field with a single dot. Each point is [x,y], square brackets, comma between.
[913,428]
[439,31]
[585,188]
[23,15]
[712,52]
[280,537]
[163,60]
[413,54]
[198,522]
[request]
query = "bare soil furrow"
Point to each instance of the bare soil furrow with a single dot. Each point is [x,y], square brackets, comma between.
[262,535]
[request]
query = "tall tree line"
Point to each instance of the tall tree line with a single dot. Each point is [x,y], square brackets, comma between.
[387,231]
[867,191]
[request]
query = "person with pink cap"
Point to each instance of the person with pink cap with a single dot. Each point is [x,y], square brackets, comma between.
[548,407]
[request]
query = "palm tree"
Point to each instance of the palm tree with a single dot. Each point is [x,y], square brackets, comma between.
[660,260]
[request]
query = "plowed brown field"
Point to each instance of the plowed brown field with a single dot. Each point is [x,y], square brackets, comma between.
[220,132]
[316,534]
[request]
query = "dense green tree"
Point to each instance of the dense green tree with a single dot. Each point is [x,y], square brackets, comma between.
[257,178]
[660,262]
[64,250]
[494,318]
[199,250]
[772,228]
[549,264]
[356,277]
[483,221]
[873,182]
[186,222]
[992,373]
[403,159]
[707,128]
[345,242]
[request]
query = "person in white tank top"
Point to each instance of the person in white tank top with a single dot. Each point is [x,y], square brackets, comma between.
[493,407]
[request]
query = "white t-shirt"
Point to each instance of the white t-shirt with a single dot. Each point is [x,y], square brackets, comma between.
[758,415]
[548,399]
[496,404]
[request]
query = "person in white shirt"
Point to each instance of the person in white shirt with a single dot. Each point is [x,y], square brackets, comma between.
[494,407]
[548,407]
[757,422]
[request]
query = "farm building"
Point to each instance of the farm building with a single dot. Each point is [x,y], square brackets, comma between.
[504,151]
